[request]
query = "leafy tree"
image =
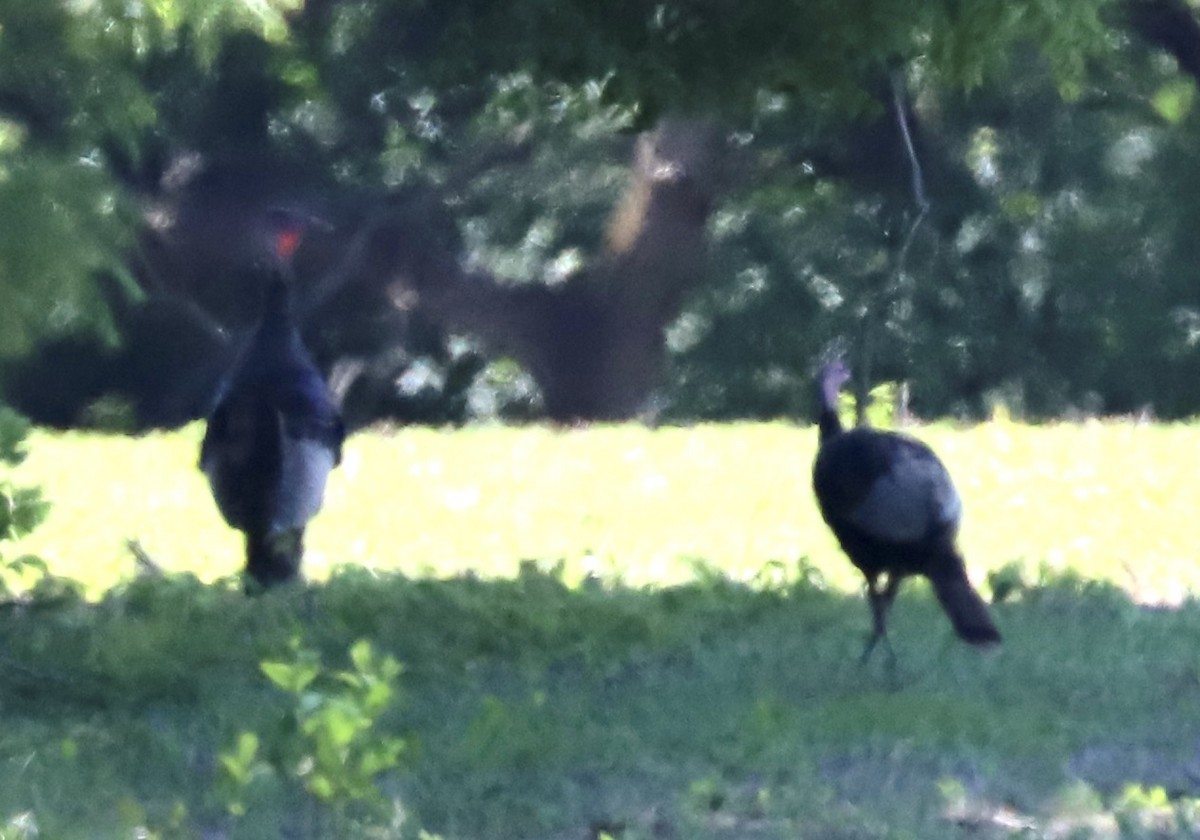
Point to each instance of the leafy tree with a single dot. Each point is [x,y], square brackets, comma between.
[1053,270]
[470,159]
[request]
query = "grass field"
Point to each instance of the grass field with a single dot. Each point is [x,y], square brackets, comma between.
[613,631]
[1110,501]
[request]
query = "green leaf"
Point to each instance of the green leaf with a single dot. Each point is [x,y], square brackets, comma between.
[382,755]
[320,786]
[342,721]
[239,764]
[362,655]
[234,769]
[29,510]
[293,678]
[14,429]
[247,747]
[377,697]
[1173,101]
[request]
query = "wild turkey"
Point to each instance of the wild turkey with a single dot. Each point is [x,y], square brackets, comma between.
[893,508]
[274,434]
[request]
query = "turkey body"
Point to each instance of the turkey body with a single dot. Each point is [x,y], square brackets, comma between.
[271,441]
[893,507]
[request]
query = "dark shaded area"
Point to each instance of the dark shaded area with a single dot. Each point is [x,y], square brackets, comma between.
[385,279]
[1169,25]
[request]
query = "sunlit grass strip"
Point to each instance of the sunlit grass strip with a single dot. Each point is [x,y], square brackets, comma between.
[1112,501]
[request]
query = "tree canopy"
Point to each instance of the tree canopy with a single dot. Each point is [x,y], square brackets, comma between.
[988,201]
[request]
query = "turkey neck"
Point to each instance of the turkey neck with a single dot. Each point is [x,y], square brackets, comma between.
[277,305]
[276,327]
[828,421]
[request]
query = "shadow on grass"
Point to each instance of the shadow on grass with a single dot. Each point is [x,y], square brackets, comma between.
[539,709]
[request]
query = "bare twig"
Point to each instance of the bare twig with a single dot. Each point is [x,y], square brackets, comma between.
[145,563]
[351,262]
[900,102]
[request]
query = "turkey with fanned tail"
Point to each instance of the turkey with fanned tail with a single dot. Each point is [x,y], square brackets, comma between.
[275,433]
[893,508]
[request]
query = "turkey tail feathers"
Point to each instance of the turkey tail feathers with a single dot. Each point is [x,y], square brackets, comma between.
[965,608]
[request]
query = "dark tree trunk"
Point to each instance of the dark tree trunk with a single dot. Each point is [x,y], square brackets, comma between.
[595,344]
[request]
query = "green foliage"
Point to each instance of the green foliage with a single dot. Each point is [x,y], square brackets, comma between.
[1151,812]
[1068,33]
[690,56]
[536,222]
[881,405]
[1007,582]
[20,827]
[14,429]
[1173,101]
[239,765]
[81,107]
[64,221]
[22,509]
[68,90]
[101,96]
[331,740]
[1053,272]
[214,21]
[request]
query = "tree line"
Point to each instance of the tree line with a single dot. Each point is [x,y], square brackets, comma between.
[597,213]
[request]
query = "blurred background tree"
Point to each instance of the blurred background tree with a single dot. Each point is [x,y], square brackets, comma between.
[989,203]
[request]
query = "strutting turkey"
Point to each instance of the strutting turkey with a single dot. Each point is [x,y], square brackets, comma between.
[893,508]
[275,432]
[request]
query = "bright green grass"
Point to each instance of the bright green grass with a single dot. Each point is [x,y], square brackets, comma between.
[698,686]
[1114,502]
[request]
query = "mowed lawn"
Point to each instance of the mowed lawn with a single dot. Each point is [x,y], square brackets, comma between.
[1111,501]
[620,632]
